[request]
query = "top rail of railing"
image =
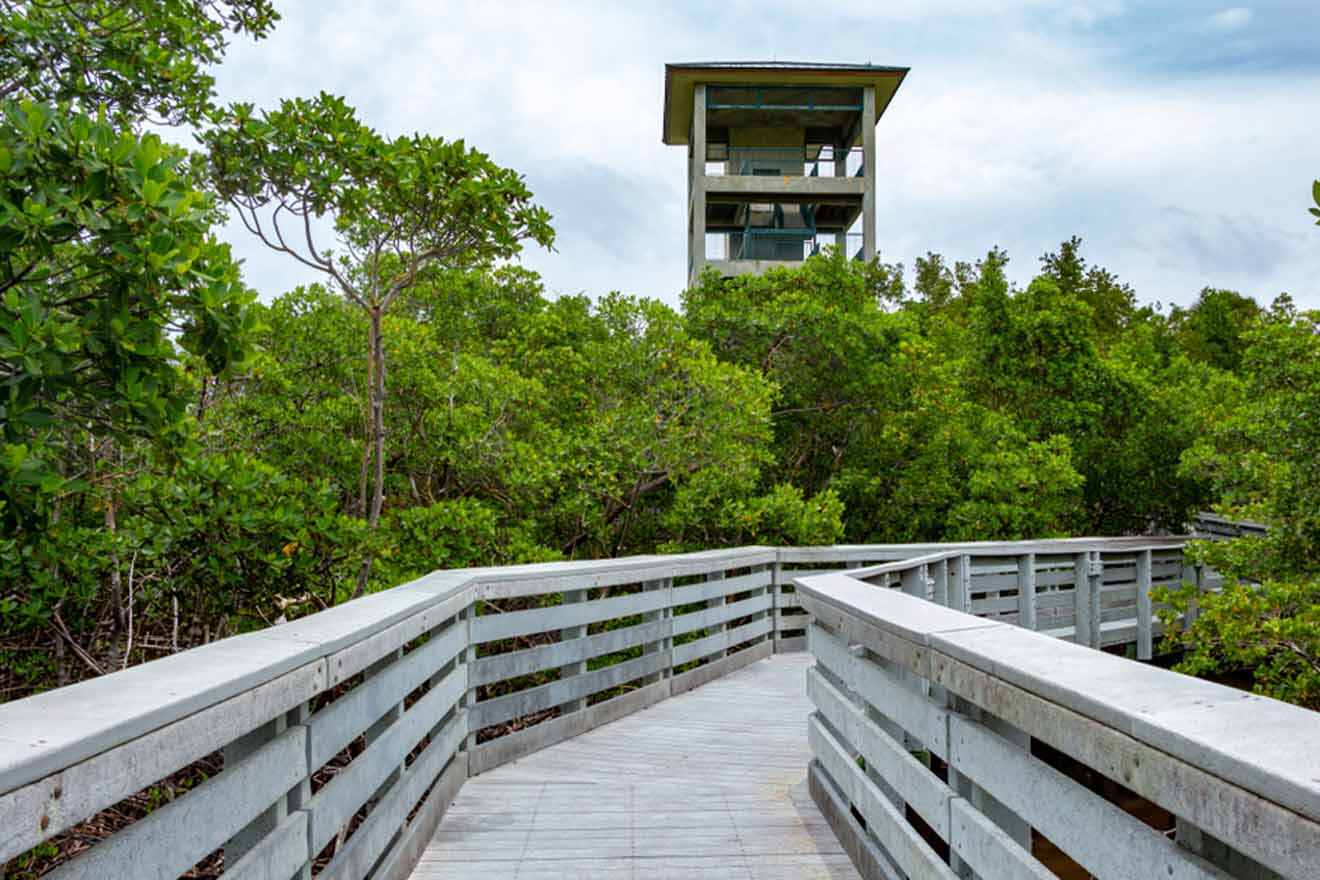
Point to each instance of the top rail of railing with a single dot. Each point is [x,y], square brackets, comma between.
[1212,525]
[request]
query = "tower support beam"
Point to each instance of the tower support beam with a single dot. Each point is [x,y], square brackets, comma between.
[697,187]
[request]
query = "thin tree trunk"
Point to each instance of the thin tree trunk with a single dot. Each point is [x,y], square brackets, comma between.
[376,343]
[365,471]
[378,420]
[116,581]
[203,399]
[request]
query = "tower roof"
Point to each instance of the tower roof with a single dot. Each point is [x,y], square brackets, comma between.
[680,80]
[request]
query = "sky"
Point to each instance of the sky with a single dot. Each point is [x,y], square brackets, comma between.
[1178,139]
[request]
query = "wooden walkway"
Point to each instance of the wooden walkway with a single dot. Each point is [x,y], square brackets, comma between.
[708,784]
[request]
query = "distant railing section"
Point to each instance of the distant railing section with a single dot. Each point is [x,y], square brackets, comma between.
[961,738]
[789,245]
[723,160]
[1211,525]
[1097,595]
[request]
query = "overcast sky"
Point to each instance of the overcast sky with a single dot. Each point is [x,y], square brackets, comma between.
[1179,139]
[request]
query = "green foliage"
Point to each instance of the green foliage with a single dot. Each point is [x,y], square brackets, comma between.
[134,58]
[1261,452]
[1315,196]
[108,270]
[1271,629]
[233,541]
[783,517]
[456,533]
[1036,355]
[1112,303]
[1259,449]
[820,335]
[1214,328]
[400,208]
[1017,490]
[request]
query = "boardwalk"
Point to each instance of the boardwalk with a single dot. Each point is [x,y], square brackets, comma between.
[709,784]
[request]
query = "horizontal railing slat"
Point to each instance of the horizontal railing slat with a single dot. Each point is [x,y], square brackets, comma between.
[340,798]
[920,789]
[118,772]
[985,846]
[372,837]
[498,667]
[899,839]
[720,641]
[342,721]
[555,693]
[713,589]
[170,840]
[1082,823]
[277,856]
[880,687]
[490,627]
[693,621]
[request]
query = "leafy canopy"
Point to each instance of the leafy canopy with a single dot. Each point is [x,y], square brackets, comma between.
[132,59]
[108,269]
[396,205]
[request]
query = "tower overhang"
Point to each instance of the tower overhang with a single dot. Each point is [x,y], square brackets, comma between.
[682,79]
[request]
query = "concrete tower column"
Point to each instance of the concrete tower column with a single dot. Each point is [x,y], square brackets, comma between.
[868,158]
[697,187]
[841,151]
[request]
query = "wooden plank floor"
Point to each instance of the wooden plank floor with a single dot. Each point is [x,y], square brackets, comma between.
[708,784]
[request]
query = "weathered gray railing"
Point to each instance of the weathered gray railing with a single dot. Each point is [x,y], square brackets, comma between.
[928,711]
[1212,525]
[346,733]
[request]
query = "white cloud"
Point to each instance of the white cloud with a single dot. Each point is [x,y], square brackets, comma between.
[1016,128]
[1229,20]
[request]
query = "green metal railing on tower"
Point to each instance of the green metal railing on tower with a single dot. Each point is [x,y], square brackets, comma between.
[812,161]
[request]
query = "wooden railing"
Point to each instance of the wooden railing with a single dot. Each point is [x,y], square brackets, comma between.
[947,739]
[343,736]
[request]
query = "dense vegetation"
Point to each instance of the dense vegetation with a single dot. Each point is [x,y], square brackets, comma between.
[180,460]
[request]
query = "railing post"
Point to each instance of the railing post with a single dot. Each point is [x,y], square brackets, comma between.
[666,644]
[1027,591]
[1088,575]
[300,797]
[1193,574]
[913,581]
[1081,601]
[1096,574]
[1145,611]
[578,667]
[716,603]
[776,608]
[269,819]
[1010,822]
[470,657]
[770,612]
[940,583]
[960,585]
[392,715]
